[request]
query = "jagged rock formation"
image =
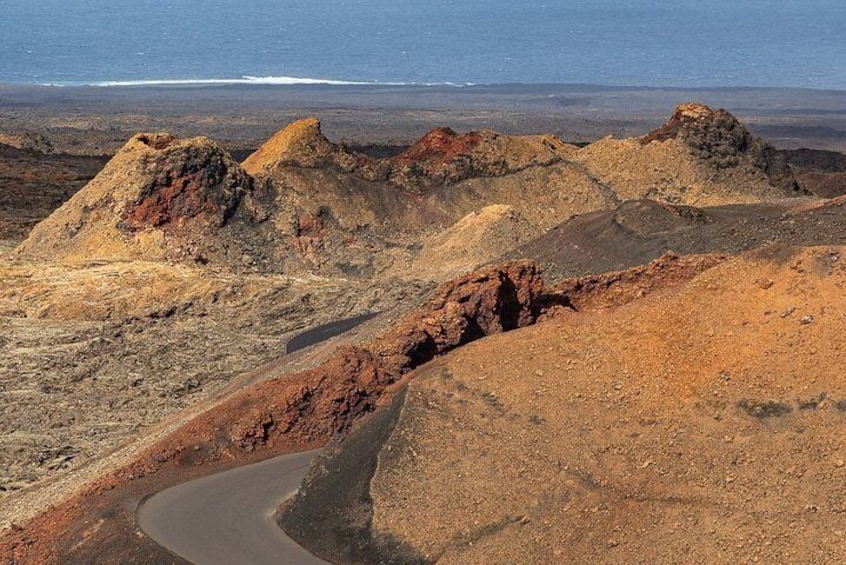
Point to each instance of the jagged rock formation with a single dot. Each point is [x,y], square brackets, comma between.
[346,207]
[314,206]
[717,137]
[346,213]
[699,156]
[158,198]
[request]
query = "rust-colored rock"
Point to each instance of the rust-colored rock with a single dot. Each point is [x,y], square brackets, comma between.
[607,290]
[157,198]
[445,156]
[306,409]
[198,183]
[439,148]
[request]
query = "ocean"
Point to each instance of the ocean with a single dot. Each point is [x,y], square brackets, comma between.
[661,43]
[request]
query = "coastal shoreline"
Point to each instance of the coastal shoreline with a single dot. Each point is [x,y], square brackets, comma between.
[90,120]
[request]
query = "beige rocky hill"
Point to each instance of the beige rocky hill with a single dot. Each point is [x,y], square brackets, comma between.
[348,207]
[701,424]
[475,239]
[434,183]
[698,157]
[348,214]
[158,198]
[445,156]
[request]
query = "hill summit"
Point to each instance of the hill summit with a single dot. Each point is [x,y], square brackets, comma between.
[302,203]
[158,198]
[718,137]
[301,144]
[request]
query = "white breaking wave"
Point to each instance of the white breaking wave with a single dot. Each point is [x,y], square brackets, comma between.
[247,79]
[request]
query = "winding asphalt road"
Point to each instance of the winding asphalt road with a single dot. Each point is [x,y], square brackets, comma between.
[227,518]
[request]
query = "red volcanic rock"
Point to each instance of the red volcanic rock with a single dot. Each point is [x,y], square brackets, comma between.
[439,148]
[445,156]
[331,397]
[308,225]
[187,182]
[158,197]
[488,301]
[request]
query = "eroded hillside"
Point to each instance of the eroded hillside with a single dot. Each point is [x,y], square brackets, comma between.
[712,411]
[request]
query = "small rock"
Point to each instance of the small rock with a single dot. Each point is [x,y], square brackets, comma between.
[806,320]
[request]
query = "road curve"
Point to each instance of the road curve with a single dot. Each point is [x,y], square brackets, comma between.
[227,518]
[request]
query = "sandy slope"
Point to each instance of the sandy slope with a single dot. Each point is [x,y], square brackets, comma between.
[700,425]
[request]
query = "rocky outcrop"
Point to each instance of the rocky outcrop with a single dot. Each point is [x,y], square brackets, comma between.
[718,138]
[540,447]
[194,183]
[442,155]
[158,198]
[329,399]
[301,410]
[349,384]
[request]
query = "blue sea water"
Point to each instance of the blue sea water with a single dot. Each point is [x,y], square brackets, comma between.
[688,43]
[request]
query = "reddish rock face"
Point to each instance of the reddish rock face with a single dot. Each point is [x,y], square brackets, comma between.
[308,225]
[349,384]
[186,182]
[439,148]
[330,398]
